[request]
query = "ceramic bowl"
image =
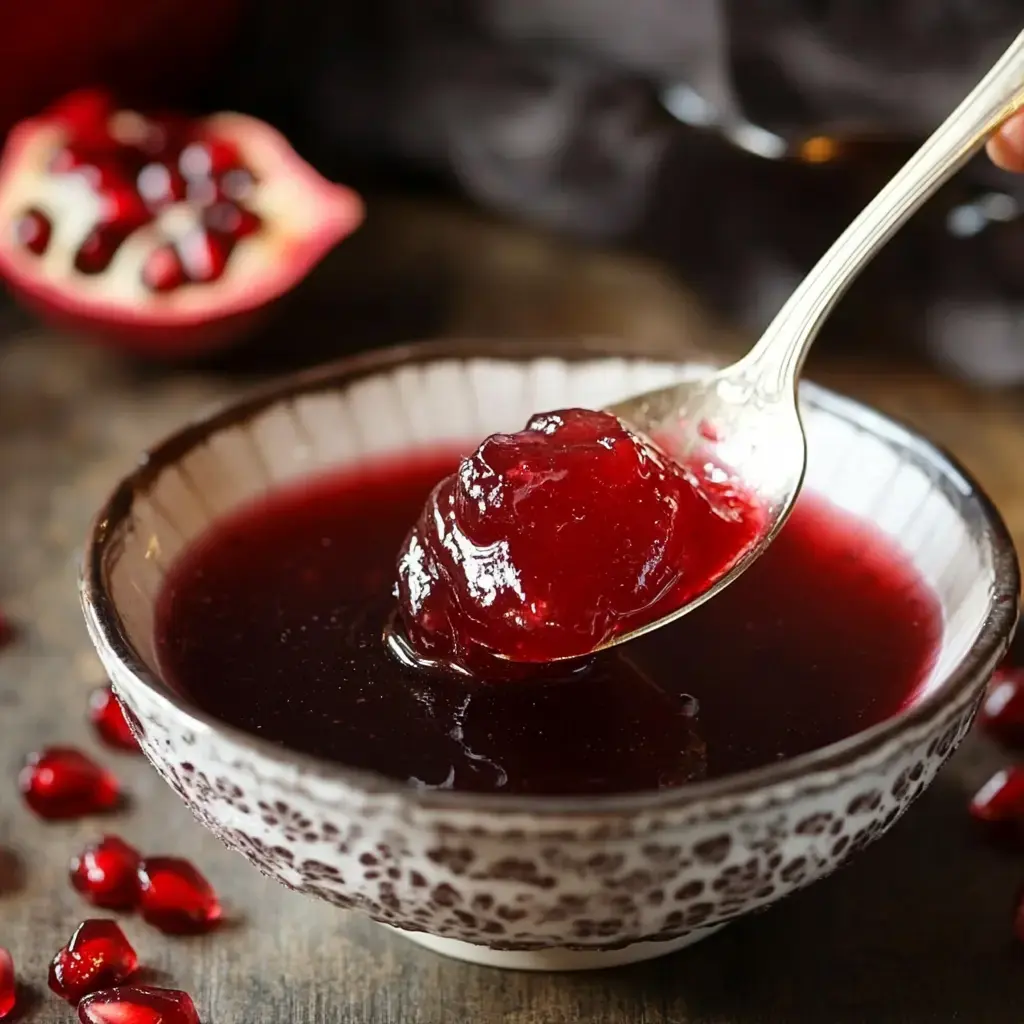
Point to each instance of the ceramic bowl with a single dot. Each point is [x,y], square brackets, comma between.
[531,882]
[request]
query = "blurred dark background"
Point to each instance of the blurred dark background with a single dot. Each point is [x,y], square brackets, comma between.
[732,139]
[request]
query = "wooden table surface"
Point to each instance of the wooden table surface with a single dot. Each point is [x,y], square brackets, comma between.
[915,931]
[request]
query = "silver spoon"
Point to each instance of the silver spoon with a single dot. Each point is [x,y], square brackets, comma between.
[751,407]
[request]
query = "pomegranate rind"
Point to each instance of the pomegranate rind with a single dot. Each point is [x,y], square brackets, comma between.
[303,214]
[8,985]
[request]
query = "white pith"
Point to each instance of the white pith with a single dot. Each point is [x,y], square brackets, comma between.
[289,209]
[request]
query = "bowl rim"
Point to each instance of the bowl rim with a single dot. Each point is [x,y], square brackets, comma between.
[968,675]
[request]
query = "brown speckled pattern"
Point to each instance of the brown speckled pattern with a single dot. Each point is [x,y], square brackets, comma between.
[577,885]
[518,873]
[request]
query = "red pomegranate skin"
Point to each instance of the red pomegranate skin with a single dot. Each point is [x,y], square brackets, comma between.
[8,985]
[152,52]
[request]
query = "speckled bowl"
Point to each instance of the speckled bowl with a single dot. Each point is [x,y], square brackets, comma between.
[527,882]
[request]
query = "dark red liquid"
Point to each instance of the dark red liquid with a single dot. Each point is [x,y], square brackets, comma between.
[273,621]
[550,542]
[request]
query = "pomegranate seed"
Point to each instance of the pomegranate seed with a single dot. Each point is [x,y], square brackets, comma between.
[159,185]
[106,873]
[96,252]
[32,231]
[6,630]
[1002,713]
[123,208]
[203,255]
[8,984]
[136,166]
[97,957]
[201,191]
[237,184]
[163,271]
[1001,799]
[107,717]
[61,782]
[136,1004]
[176,898]
[208,159]
[231,220]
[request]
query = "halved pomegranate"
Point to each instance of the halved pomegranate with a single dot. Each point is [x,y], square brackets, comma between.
[162,234]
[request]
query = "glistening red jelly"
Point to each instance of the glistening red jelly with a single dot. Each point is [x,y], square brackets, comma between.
[550,542]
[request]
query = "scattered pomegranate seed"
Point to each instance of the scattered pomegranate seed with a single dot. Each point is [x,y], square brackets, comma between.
[1001,799]
[61,782]
[97,956]
[106,873]
[176,898]
[32,231]
[8,984]
[107,717]
[136,1004]
[1002,713]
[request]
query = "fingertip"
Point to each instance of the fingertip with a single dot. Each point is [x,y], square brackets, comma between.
[1006,147]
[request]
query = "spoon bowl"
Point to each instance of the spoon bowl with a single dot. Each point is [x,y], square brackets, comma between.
[725,417]
[746,417]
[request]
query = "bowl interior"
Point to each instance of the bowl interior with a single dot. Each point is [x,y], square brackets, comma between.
[859,460]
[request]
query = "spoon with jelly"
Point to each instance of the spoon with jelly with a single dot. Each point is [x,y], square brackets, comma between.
[748,413]
[588,529]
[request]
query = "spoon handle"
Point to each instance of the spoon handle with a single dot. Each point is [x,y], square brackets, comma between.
[777,358]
